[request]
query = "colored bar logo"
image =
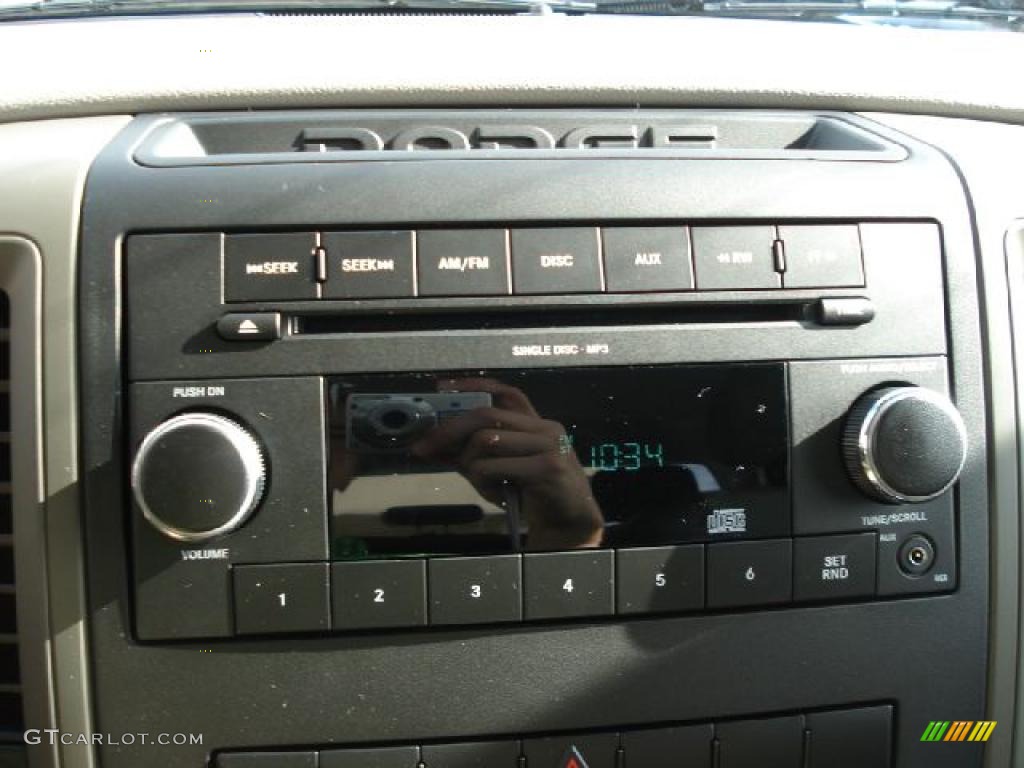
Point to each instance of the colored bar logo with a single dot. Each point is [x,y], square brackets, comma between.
[958,730]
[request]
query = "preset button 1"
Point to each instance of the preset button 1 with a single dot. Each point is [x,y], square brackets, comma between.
[281,598]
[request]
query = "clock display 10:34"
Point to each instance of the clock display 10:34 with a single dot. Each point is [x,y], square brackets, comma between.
[625,456]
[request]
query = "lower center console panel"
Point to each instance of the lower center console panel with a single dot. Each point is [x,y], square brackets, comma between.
[556,461]
[847,738]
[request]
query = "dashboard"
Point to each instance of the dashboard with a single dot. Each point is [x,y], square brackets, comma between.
[613,414]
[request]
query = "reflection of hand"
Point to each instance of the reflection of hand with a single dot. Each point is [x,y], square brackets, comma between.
[511,443]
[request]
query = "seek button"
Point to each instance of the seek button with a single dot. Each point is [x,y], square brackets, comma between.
[369,265]
[269,267]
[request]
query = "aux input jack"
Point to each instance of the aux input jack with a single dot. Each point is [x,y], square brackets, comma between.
[917,555]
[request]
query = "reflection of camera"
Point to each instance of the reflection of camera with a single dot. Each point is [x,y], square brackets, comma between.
[389,423]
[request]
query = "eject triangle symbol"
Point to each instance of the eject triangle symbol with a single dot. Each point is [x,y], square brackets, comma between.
[573,759]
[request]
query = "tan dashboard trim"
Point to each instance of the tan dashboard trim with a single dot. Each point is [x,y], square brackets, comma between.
[42,174]
[104,65]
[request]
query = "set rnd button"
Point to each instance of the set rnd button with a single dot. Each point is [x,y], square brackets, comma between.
[834,567]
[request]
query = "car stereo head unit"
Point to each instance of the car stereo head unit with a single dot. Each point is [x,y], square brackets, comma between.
[594,470]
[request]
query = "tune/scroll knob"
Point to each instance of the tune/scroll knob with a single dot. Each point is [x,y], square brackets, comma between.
[904,444]
[198,475]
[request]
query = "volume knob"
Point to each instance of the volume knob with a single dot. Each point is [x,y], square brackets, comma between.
[904,444]
[198,475]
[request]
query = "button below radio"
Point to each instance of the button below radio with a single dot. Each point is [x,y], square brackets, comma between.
[267,760]
[563,260]
[746,573]
[269,267]
[469,262]
[561,585]
[281,598]
[647,259]
[851,738]
[369,265]
[688,746]
[592,751]
[834,567]
[378,594]
[777,742]
[734,258]
[383,757]
[481,754]
[250,326]
[475,590]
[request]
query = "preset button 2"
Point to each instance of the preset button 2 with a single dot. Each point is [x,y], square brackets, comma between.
[377,594]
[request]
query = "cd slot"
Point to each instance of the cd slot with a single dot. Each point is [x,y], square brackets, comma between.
[332,324]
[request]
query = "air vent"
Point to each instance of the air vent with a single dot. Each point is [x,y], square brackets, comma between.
[11,717]
[292,137]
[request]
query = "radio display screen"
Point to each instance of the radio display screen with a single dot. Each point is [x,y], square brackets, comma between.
[551,459]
